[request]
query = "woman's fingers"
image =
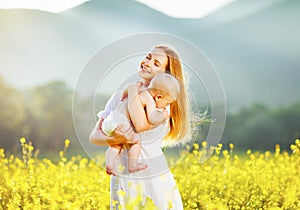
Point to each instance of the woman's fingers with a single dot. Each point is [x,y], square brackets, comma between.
[128,133]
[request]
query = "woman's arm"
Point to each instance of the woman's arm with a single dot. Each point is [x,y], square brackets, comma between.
[99,138]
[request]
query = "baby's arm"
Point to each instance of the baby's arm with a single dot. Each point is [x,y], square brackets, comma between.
[136,109]
[154,116]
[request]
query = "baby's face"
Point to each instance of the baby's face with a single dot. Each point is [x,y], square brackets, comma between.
[164,101]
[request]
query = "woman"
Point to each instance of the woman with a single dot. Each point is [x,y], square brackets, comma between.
[155,184]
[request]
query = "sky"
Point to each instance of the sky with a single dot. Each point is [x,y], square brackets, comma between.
[173,8]
[249,42]
[54,6]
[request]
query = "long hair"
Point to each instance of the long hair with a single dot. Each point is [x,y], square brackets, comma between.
[180,109]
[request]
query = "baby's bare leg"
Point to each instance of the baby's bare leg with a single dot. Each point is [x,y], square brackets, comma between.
[111,156]
[133,155]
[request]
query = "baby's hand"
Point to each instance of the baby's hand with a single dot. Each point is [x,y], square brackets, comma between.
[139,85]
[166,114]
[158,116]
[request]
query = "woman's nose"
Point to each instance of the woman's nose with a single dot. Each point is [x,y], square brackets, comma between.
[148,63]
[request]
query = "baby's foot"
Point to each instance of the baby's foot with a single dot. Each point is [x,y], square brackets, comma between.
[136,167]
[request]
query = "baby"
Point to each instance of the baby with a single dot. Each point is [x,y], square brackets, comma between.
[161,92]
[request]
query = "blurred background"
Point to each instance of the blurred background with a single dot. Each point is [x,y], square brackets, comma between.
[254,46]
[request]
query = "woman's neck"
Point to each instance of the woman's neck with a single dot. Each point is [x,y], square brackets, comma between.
[145,83]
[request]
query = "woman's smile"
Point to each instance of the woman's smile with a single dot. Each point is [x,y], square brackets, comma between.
[145,69]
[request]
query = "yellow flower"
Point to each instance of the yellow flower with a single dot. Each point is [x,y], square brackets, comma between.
[30,148]
[218,150]
[23,140]
[267,153]
[216,183]
[67,143]
[293,146]
[61,154]
[225,152]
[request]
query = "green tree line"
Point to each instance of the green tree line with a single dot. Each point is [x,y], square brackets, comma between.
[261,128]
[43,115]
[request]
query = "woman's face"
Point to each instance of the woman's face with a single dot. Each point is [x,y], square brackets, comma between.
[154,63]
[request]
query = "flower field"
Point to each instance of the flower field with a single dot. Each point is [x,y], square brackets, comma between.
[268,180]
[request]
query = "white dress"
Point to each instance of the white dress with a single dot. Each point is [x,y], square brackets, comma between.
[154,184]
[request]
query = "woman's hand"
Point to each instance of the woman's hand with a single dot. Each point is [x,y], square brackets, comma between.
[128,134]
[120,137]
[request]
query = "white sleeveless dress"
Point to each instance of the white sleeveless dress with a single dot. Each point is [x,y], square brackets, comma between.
[153,185]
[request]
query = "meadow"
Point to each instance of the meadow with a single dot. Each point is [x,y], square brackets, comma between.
[255,180]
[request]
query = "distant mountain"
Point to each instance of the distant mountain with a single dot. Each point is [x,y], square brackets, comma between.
[254,46]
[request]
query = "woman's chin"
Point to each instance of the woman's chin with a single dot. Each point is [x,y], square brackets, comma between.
[144,75]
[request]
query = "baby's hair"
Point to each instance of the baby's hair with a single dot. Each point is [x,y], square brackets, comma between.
[165,83]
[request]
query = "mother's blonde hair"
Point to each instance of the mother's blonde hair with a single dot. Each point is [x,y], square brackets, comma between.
[180,109]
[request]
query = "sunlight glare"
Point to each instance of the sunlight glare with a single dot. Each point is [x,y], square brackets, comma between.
[54,6]
[172,8]
[185,8]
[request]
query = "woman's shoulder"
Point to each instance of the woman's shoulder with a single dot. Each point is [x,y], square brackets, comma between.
[111,105]
[116,97]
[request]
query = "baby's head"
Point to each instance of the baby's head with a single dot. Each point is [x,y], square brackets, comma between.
[164,89]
